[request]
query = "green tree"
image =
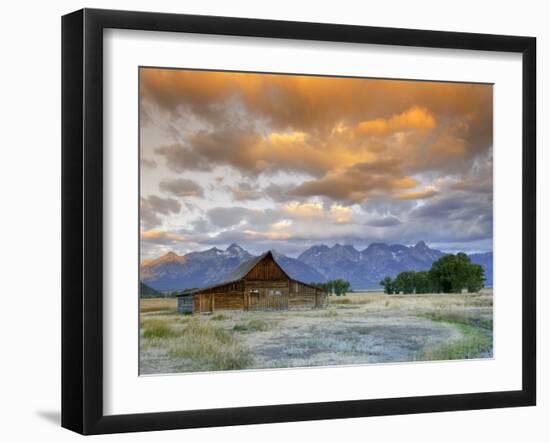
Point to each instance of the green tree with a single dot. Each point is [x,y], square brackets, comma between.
[346,287]
[405,282]
[453,273]
[388,285]
[476,278]
[422,283]
[442,272]
[340,286]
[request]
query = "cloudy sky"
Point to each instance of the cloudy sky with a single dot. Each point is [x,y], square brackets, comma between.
[285,162]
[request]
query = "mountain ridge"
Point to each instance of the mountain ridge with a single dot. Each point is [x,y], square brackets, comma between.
[362,268]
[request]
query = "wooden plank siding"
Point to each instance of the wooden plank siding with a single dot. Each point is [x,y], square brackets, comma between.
[266,299]
[185,304]
[230,301]
[267,270]
[263,285]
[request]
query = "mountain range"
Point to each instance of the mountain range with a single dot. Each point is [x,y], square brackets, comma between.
[362,268]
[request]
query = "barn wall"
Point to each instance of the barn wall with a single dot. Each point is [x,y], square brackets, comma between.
[231,301]
[299,288]
[265,287]
[297,300]
[235,287]
[202,302]
[303,296]
[263,295]
[278,284]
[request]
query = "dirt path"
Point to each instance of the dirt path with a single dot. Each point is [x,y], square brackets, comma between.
[310,340]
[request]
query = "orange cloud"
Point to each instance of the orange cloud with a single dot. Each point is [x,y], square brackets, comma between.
[282,224]
[306,102]
[157,234]
[359,182]
[306,209]
[427,192]
[450,145]
[328,128]
[314,210]
[414,118]
[341,214]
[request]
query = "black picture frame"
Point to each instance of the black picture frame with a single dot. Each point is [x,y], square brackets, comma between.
[82,218]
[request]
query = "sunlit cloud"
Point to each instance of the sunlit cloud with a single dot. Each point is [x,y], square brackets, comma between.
[282,224]
[306,209]
[285,160]
[414,118]
[155,234]
[427,192]
[341,214]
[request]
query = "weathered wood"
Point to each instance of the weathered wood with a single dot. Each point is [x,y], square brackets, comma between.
[228,301]
[185,304]
[262,285]
[266,270]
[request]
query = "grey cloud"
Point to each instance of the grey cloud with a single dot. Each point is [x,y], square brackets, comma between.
[278,193]
[148,163]
[222,146]
[458,216]
[180,157]
[455,205]
[384,222]
[163,205]
[481,185]
[148,218]
[244,191]
[222,217]
[152,206]
[181,187]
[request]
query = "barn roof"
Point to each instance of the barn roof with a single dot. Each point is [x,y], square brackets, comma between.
[245,267]
[239,273]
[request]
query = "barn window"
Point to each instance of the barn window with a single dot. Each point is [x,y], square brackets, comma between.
[255,291]
[275,292]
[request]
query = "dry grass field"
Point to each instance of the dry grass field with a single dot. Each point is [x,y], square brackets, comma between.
[359,328]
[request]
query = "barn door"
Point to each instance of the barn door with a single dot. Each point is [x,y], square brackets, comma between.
[276,299]
[254,299]
[206,305]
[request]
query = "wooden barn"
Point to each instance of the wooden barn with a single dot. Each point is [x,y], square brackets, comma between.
[255,285]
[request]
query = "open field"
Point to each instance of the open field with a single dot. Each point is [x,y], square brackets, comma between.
[359,328]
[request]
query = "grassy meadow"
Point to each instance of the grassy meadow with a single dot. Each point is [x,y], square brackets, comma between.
[358,328]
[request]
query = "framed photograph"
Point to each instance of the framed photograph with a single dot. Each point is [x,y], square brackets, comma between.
[269,221]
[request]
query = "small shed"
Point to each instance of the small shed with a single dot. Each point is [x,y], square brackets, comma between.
[185,303]
[255,285]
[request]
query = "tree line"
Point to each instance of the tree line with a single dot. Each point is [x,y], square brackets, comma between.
[337,287]
[450,274]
